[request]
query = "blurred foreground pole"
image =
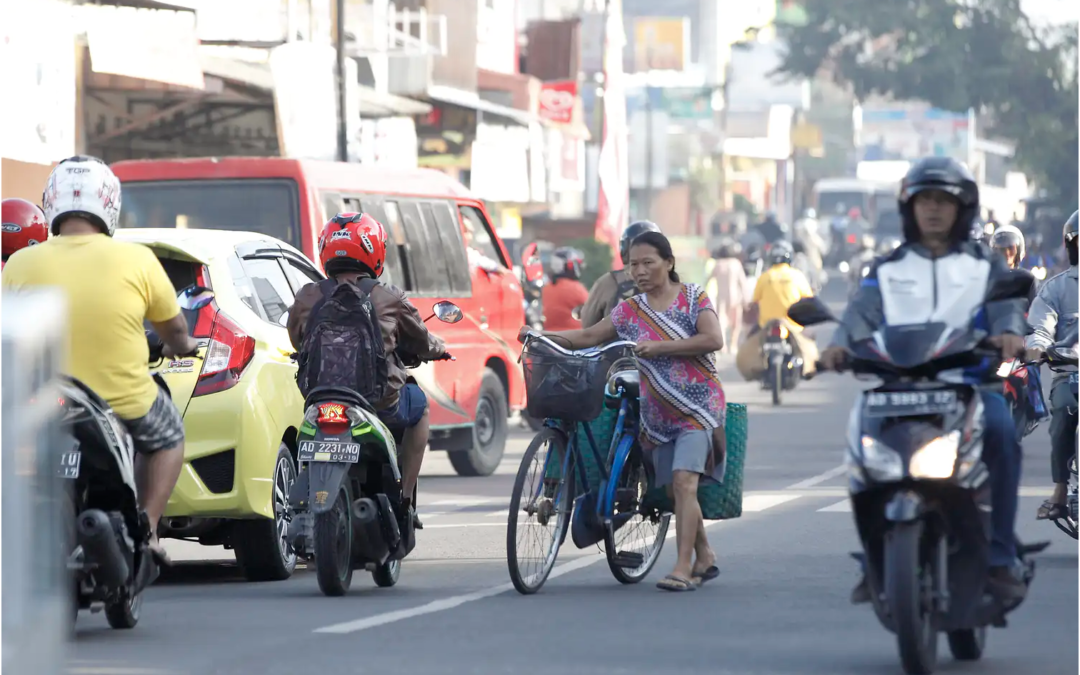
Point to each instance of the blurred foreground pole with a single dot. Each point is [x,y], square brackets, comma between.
[342,110]
[38,599]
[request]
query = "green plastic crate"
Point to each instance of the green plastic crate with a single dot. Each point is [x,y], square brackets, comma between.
[719,501]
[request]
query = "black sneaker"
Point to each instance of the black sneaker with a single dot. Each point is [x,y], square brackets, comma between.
[417,525]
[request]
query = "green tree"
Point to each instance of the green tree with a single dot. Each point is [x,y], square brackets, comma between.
[955,55]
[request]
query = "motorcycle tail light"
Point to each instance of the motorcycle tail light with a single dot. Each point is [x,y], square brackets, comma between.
[851,239]
[777,330]
[333,418]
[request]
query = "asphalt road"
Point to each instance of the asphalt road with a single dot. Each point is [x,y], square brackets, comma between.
[780,606]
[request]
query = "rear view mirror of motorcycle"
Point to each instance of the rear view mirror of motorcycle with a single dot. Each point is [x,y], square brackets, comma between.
[1016,284]
[810,312]
[283,320]
[576,312]
[530,262]
[195,297]
[447,312]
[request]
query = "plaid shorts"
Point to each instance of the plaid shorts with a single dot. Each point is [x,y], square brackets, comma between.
[160,429]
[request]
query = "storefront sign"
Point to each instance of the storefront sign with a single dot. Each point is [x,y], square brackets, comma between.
[39,73]
[304,92]
[661,43]
[445,135]
[557,101]
[496,36]
[148,44]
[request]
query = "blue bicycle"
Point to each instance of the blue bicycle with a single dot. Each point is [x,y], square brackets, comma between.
[568,389]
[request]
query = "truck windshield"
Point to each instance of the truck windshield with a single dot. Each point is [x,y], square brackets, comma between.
[268,207]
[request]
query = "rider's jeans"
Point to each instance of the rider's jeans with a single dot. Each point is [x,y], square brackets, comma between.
[1062,430]
[1002,455]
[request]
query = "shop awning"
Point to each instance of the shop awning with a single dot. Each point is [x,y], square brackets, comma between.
[472,101]
[373,103]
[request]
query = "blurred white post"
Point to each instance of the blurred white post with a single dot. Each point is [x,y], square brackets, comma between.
[37,598]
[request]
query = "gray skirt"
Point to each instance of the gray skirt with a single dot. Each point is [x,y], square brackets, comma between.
[688,452]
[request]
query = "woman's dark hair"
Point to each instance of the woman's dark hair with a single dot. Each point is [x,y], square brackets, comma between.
[658,241]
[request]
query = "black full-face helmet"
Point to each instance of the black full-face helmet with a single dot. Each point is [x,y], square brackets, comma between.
[949,176]
[633,231]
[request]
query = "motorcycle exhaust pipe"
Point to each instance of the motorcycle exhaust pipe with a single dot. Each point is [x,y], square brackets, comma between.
[368,540]
[99,540]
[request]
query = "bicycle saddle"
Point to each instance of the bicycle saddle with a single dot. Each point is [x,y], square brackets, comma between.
[628,380]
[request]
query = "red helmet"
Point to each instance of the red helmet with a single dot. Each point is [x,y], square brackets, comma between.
[353,242]
[24,225]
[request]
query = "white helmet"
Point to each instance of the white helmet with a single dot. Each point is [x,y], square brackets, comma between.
[82,186]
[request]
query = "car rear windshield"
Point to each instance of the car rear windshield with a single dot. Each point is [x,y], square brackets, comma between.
[268,207]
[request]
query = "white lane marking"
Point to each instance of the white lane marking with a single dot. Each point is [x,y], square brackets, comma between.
[838,507]
[460,501]
[505,513]
[445,604]
[1026,491]
[758,503]
[820,478]
[449,525]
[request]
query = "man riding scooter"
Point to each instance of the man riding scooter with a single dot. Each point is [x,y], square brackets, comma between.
[777,289]
[616,286]
[859,264]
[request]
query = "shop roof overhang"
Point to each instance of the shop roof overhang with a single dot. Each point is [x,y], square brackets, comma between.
[472,101]
[373,103]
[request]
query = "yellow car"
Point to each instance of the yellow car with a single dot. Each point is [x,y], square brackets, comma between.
[239,398]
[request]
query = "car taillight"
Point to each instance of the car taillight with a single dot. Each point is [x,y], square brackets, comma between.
[851,239]
[229,352]
[333,418]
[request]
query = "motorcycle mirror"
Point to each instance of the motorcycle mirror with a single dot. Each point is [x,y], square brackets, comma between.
[1016,284]
[195,297]
[530,262]
[447,312]
[283,320]
[576,312]
[810,312]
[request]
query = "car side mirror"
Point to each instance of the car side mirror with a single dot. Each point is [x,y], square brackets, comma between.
[530,262]
[1016,284]
[283,320]
[810,312]
[447,312]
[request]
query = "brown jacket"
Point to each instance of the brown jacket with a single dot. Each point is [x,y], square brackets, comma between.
[603,297]
[402,328]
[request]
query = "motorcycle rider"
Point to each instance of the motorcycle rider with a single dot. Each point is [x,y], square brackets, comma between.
[770,229]
[935,275]
[361,253]
[777,289]
[611,289]
[108,350]
[23,224]
[1053,316]
[864,256]
[565,292]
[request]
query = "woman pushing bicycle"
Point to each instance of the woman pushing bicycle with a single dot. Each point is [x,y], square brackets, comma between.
[677,331]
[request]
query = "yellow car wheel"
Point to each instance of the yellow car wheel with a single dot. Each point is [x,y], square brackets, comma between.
[262,549]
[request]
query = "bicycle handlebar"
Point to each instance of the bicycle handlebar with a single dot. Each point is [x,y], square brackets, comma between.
[591,352]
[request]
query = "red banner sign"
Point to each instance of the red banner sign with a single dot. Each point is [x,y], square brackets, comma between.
[557,101]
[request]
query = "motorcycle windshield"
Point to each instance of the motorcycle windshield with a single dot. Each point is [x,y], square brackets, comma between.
[914,345]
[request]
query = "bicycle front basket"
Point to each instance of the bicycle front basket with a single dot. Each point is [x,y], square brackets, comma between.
[568,388]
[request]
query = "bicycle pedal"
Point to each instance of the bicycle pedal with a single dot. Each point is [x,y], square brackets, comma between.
[628,560]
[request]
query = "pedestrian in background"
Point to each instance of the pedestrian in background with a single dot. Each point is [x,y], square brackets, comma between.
[731,292]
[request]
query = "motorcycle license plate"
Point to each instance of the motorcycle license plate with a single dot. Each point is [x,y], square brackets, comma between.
[69,464]
[909,403]
[1074,378]
[329,451]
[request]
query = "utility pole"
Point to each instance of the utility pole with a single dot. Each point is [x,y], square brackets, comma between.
[339,44]
[648,134]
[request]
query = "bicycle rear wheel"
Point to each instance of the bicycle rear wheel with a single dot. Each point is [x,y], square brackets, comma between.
[634,537]
[540,508]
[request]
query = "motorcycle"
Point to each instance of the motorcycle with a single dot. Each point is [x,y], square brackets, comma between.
[346,508]
[1059,356]
[107,533]
[919,489]
[783,369]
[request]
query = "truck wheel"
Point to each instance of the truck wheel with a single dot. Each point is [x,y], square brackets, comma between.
[262,549]
[490,430]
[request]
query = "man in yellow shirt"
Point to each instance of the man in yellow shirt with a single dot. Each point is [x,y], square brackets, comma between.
[111,287]
[777,289]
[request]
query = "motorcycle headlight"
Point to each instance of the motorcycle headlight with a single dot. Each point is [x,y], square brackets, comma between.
[936,459]
[843,267]
[865,270]
[881,462]
[1038,272]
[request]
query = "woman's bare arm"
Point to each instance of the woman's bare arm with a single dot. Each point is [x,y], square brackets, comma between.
[584,338]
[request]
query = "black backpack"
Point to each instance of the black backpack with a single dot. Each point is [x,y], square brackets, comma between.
[343,344]
[624,290]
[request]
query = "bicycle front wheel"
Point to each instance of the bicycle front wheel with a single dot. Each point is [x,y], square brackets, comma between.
[634,535]
[540,509]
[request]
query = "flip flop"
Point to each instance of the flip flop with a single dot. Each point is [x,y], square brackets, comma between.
[676,584]
[710,573]
[1050,510]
